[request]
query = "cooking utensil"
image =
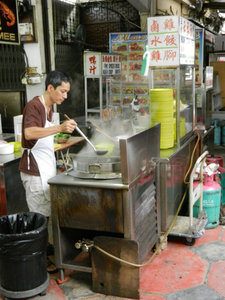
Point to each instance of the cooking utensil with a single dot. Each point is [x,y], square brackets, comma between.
[98,152]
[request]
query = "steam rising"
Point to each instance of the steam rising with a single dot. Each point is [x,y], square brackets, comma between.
[106,134]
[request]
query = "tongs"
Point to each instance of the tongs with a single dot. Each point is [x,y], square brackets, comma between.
[97,151]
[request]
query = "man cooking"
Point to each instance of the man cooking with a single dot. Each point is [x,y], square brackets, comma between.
[38,163]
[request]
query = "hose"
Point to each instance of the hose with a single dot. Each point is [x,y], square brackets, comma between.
[168,230]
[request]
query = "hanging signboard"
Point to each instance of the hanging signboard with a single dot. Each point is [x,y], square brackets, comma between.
[111,64]
[170,41]
[97,64]
[92,64]
[209,77]
[187,41]
[9,32]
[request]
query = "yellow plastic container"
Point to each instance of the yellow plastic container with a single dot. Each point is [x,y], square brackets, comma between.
[167,124]
[17,146]
[161,103]
[166,142]
[182,128]
[162,108]
[163,94]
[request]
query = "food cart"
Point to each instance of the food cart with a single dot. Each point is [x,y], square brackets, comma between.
[171,51]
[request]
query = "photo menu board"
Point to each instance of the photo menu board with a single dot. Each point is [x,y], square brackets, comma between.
[9,30]
[131,47]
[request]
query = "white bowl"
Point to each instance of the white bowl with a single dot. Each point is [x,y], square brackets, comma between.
[6,148]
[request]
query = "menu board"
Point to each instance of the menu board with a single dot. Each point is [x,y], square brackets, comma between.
[97,64]
[131,47]
[170,41]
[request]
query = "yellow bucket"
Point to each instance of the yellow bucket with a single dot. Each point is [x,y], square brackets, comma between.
[161,106]
[166,142]
[161,103]
[162,94]
[160,116]
[167,123]
[166,133]
[182,128]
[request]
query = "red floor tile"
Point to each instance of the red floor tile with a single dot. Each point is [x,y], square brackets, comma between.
[223,235]
[176,268]
[54,291]
[216,278]
[210,235]
[151,297]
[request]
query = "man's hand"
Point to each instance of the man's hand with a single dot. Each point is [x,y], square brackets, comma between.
[68,126]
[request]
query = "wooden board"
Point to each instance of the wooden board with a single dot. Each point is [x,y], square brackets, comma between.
[111,277]
[219,67]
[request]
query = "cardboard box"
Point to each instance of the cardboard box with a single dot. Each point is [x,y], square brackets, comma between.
[219,67]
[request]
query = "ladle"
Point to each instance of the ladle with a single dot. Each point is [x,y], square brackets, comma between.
[97,151]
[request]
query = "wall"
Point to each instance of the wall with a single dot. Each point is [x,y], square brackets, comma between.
[35,52]
[171,7]
[162,7]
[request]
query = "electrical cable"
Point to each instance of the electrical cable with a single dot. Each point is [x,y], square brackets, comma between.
[168,230]
[192,157]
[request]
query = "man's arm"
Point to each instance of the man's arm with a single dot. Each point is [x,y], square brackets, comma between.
[35,133]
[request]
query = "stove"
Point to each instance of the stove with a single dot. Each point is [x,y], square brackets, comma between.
[119,215]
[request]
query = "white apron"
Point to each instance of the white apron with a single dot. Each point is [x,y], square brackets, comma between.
[43,152]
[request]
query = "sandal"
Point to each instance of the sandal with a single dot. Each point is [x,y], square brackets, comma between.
[51,268]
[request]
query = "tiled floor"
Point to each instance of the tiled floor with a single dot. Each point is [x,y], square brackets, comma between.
[178,272]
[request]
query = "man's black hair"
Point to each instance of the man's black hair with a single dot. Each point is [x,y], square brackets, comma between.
[55,78]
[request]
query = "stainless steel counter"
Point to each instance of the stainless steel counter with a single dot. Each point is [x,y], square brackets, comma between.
[172,167]
[67,179]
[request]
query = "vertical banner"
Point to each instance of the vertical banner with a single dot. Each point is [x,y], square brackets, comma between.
[199,56]
[187,42]
[92,64]
[9,32]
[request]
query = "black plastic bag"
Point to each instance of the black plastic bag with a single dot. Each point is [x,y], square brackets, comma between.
[23,243]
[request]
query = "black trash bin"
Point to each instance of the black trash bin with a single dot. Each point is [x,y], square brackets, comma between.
[23,243]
